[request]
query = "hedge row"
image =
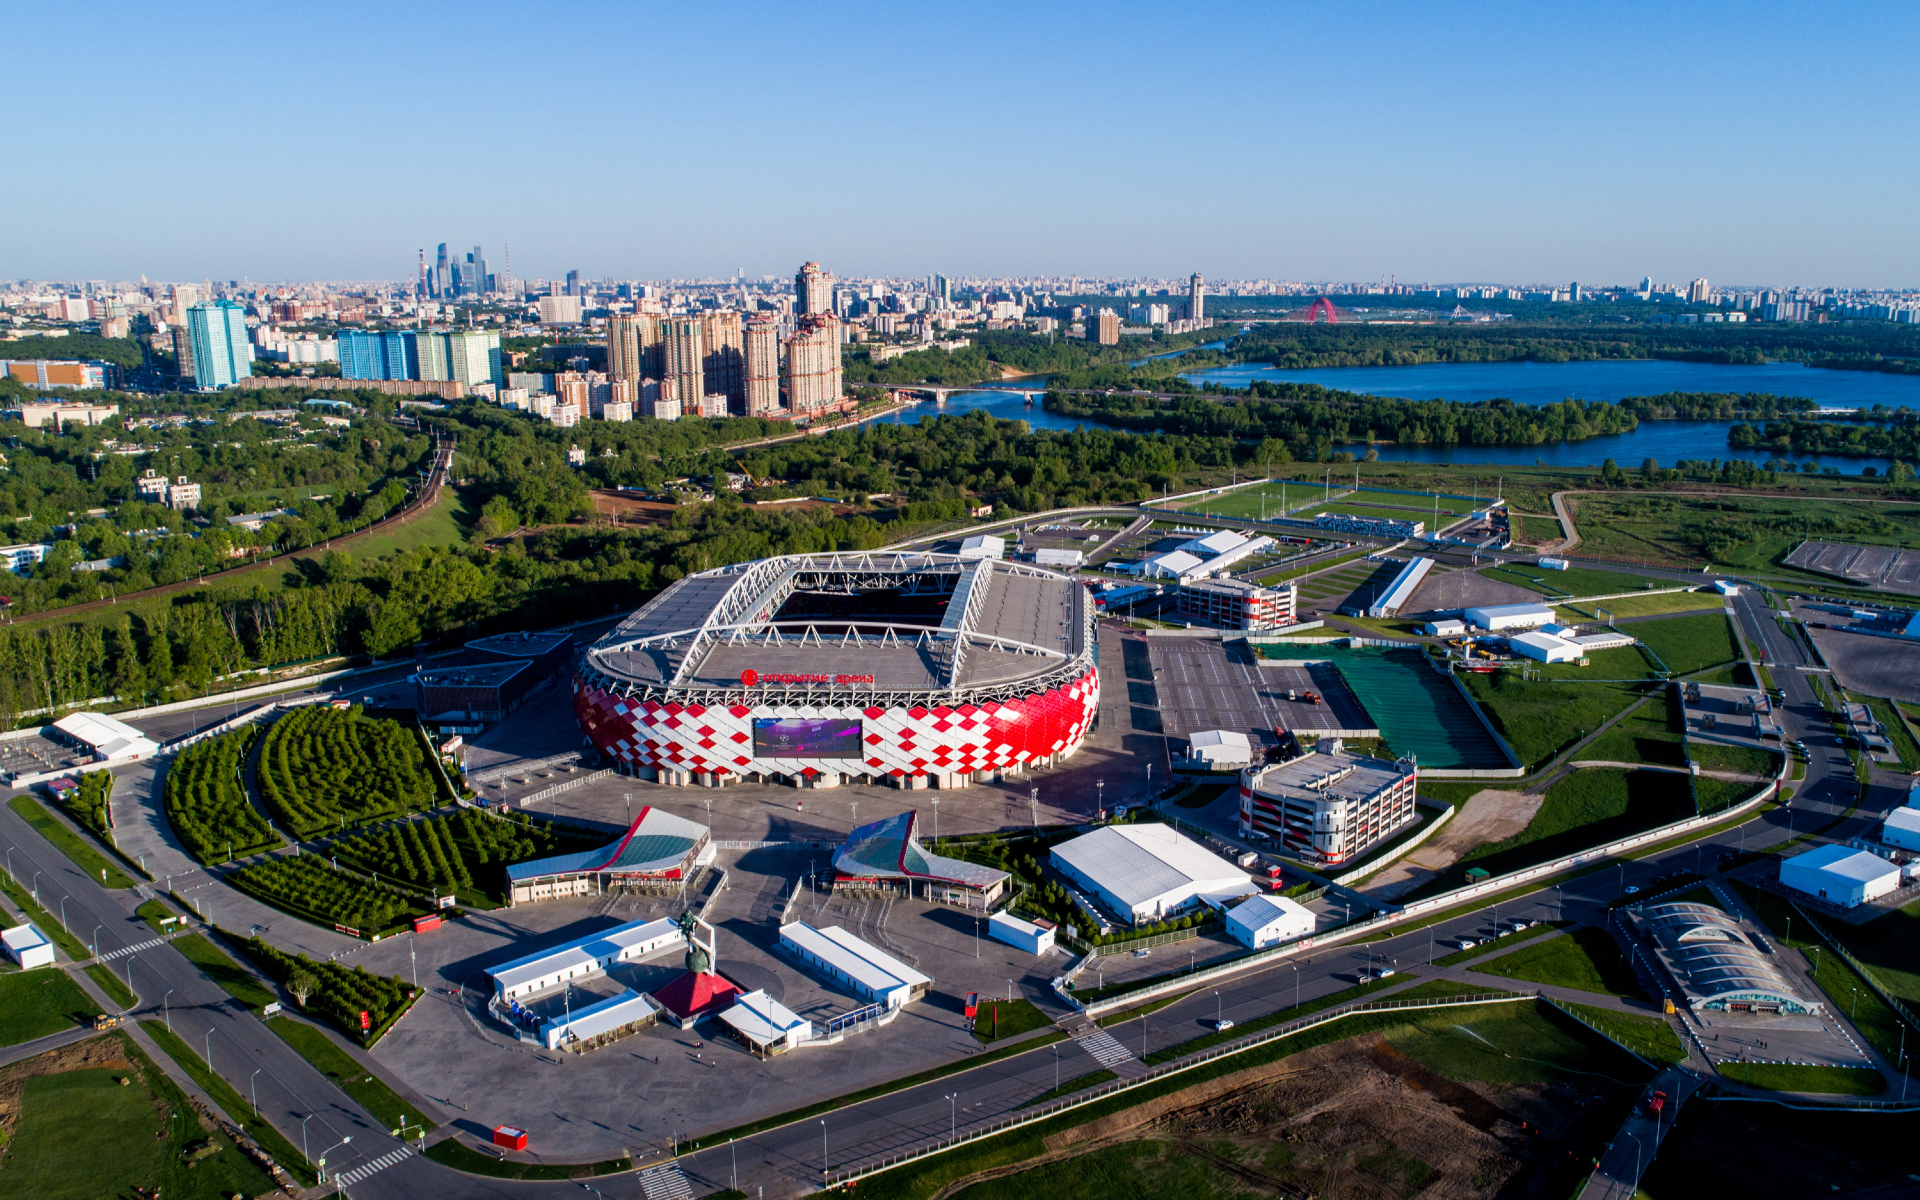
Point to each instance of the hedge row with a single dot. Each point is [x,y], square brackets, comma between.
[323,768]
[207,799]
[307,883]
[342,993]
[465,849]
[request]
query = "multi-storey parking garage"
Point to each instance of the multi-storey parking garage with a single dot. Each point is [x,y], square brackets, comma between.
[821,669]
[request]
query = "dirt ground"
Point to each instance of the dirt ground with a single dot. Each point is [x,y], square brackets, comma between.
[1488,816]
[1355,1120]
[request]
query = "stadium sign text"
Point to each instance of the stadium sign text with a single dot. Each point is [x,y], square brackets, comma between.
[752,678]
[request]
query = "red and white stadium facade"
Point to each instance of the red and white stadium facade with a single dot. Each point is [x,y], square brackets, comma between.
[681,731]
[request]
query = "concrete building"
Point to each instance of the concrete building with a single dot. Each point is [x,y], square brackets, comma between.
[685,357]
[1263,921]
[582,958]
[1495,618]
[812,291]
[1196,297]
[1105,327]
[27,947]
[1329,806]
[43,374]
[634,347]
[658,848]
[1060,558]
[760,365]
[1219,750]
[814,372]
[1149,872]
[1840,875]
[1024,935]
[867,971]
[1543,647]
[1448,627]
[182,494]
[887,855]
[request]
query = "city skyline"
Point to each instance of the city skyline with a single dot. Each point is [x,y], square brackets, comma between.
[1519,146]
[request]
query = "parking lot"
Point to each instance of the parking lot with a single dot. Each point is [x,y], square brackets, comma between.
[1874,666]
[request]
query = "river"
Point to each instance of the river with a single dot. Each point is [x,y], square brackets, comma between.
[1537,383]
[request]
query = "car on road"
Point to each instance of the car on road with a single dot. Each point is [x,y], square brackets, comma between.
[1371,973]
[1222,1025]
[1141,953]
[1656,1104]
[1466,943]
[1632,890]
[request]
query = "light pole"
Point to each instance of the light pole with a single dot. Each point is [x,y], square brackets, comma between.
[953,1098]
[95,939]
[253,1085]
[823,1151]
[209,1051]
[303,1136]
[1100,790]
[936,819]
[1033,805]
[1636,1152]
[735,1155]
[63,912]
[629,803]
[167,1009]
[36,887]
[1219,1012]
[321,1166]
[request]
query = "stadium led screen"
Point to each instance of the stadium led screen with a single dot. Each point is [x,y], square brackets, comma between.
[806,737]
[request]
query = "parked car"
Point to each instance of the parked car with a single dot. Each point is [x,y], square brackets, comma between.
[1141,953]
[1370,973]
[1467,943]
[1223,1025]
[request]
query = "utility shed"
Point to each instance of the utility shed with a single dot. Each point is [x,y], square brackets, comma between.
[1902,828]
[27,946]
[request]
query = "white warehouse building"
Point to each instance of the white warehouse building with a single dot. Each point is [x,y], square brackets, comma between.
[1495,617]
[1543,647]
[1840,875]
[1268,921]
[582,958]
[1149,872]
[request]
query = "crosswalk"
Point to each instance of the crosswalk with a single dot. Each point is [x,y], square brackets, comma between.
[149,944]
[665,1182]
[347,1179]
[1105,1048]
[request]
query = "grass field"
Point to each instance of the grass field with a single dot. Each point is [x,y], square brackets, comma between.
[188,1059]
[1543,716]
[1586,959]
[446,523]
[39,1002]
[1078,1083]
[1432,989]
[224,971]
[1743,532]
[152,911]
[355,1080]
[1534,530]
[1649,1037]
[112,985]
[1897,732]
[1007,1018]
[1795,1077]
[1712,756]
[1574,581]
[1640,606]
[1512,1043]
[1307,498]
[1587,808]
[83,1136]
[68,842]
[1689,644]
[1650,733]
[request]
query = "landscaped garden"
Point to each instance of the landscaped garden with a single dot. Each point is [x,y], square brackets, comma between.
[325,768]
[328,989]
[308,886]
[207,800]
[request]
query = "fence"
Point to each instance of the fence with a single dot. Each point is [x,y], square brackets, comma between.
[556,789]
[1154,1074]
[1203,929]
[1374,864]
[1860,968]
[1603,1033]
[491,774]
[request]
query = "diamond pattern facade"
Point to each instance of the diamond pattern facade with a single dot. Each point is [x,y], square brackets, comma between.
[899,742]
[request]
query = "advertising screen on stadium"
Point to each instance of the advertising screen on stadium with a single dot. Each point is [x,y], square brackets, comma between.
[806,737]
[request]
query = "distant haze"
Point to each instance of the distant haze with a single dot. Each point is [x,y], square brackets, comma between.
[1522,143]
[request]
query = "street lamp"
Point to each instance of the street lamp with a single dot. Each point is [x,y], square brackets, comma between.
[209,1051]
[167,1009]
[953,1098]
[735,1154]
[253,1085]
[322,1164]
[1219,1012]
[95,939]
[303,1135]
[823,1151]
[1296,985]
[36,887]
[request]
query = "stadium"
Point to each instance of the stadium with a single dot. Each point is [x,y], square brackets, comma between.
[816,670]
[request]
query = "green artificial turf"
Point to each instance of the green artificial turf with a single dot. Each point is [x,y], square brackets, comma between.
[43,1001]
[1586,960]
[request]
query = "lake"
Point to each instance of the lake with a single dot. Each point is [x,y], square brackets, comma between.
[1540,383]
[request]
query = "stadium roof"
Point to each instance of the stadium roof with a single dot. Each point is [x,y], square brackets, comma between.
[888,849]
[1140,863]
[1005,623]
[657,843]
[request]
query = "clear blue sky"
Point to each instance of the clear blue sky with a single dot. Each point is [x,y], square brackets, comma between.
[1758,143]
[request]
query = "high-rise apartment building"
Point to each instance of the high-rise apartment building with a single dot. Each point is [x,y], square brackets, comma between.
[221,353]
[633,347]
[1698,292]
[183,350]
[401,354]
[1106,327]
[812,290]
[685,357]
[1196,297]
[469,357]
[473,357]
[760,364]
[940,288]
[573,284]
[722,367]
[813,365]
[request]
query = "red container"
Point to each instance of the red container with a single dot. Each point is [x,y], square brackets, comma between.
[422,924]
[509,1138]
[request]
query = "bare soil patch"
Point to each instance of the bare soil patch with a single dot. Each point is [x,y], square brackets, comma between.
[1487,816]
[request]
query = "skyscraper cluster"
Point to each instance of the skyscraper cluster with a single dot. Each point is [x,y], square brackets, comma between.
[452,278]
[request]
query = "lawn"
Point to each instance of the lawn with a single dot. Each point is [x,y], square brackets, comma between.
[1542,716]
[355,1080]
[1512,1044]
[1078,1083]
[1652,1038]
[68,842]
[188,1059]
[447,523]
[1588,808]
[1713,756]
[1586,960]
[1713,795]
[1648,734]
[1432,989]
[1897,732]
[1797,1077]
[153,912]
[83,1137]
[43,920]
[1574,581]
[1007,1018]
[115,988]
[215,965]
[1640,606]
[1534,530]
[1742,532]
[39,1002]
[1689,644]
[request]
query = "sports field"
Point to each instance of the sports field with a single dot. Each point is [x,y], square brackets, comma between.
[1417,710]
[1307,499]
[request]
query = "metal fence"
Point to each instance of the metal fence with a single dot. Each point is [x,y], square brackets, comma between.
[556,789]
[1091,1095]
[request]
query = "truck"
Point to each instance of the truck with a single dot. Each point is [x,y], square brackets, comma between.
[106,1021]
[1656,1104]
